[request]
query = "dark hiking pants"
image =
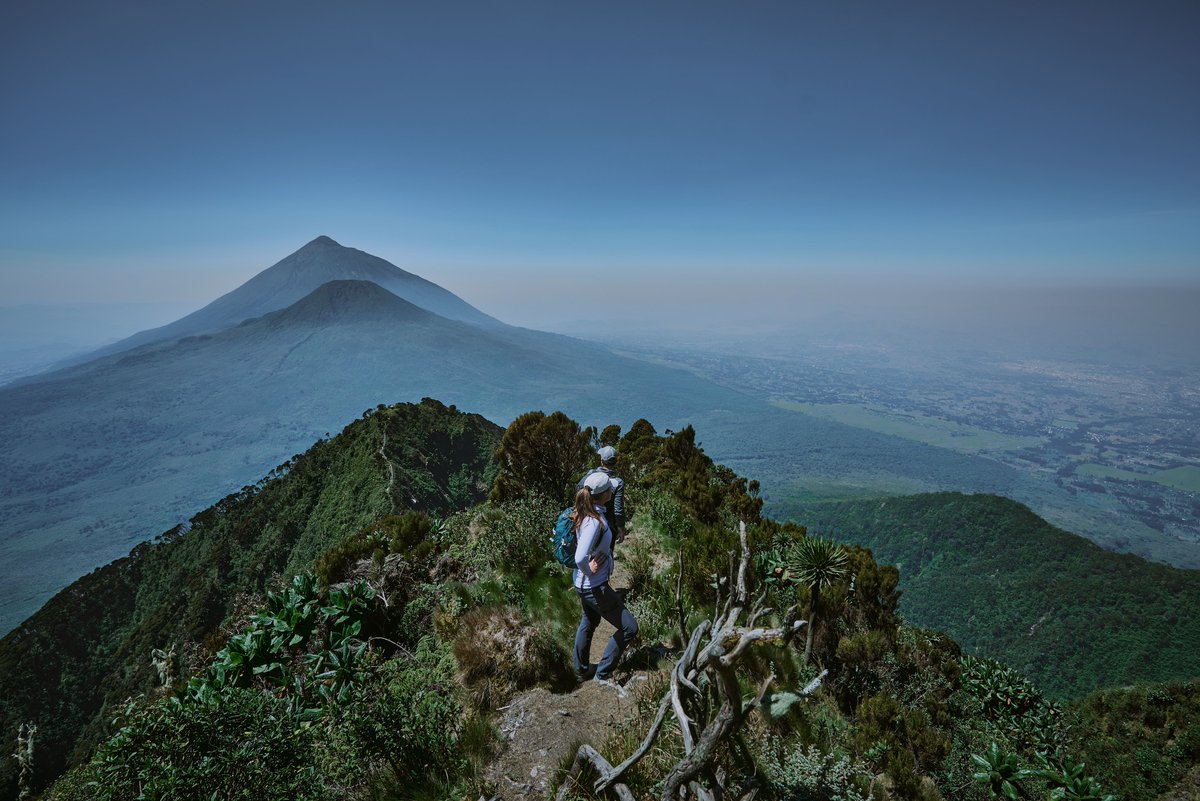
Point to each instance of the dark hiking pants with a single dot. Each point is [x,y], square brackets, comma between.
[602,602]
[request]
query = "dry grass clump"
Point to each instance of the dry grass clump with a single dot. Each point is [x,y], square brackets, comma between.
[499,654]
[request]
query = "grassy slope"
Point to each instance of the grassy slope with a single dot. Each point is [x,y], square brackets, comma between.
[1007,584]
[89,647]
[914,426]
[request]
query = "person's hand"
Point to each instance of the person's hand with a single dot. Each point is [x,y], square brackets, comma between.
[595,563]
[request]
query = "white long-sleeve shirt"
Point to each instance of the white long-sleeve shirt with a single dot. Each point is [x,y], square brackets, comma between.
[593,537]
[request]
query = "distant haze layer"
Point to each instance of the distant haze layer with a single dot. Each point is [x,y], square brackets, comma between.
[1117,323]
[1099,322]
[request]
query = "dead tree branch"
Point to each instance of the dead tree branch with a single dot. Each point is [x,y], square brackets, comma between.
[683,632]
[585,755]
[709,661]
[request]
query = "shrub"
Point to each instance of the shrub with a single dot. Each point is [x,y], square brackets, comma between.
[499,654]
[541,455]
[408,534]
[809,774]
[242,746]
[709,558]
[902,741]
[404,730]
[514,537]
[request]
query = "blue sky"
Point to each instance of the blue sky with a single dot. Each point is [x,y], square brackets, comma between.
[514,152]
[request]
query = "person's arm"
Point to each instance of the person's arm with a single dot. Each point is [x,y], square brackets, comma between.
[618,506]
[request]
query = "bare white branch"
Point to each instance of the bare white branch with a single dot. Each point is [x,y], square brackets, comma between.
[708,665]
[745,564]
[587,754]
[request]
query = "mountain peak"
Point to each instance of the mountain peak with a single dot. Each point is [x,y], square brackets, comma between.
[348,300]
[288,281]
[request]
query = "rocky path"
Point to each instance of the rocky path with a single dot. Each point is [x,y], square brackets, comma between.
[390,467]
[542,729]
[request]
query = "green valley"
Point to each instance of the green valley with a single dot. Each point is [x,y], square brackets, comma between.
[1008,585]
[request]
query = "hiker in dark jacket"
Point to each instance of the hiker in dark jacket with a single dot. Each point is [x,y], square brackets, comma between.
[593,568]
[615,514]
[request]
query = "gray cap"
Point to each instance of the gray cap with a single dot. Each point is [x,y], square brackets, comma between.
[597,482]
[608,454]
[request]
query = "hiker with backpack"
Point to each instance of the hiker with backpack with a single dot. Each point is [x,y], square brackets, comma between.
[614,511]
[593,563]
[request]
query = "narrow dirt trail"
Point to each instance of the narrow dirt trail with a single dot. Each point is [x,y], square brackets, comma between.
[541,729]
[391,468]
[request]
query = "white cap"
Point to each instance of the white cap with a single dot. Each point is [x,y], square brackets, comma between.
[597,482]
[608,454]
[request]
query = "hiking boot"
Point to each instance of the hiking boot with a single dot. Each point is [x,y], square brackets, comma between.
[586,674]
[610,683]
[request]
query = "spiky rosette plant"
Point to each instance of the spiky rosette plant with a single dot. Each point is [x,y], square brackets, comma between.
[817,563]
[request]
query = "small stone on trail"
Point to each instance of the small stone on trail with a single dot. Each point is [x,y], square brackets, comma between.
[533,773]
[566,713]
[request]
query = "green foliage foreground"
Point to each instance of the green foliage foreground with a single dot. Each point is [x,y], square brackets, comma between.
[87,650]
[376,671]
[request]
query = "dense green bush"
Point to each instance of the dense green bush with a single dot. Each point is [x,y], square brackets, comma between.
[1138,741]
[409,534]
[405,732]
[242,745]
[541,454]
[514,537]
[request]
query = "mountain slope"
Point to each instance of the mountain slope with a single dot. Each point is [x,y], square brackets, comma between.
[347,300]
[101,454]
[1008,585]
[456,624]
[88,649]
[320,261]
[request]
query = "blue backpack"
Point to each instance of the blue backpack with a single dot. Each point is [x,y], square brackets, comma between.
[564,539]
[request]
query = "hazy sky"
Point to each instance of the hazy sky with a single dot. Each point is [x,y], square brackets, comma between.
[523,153]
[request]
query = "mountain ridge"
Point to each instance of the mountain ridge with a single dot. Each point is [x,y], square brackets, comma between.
[290,279]
[77,659]
[181,586]
[346,299]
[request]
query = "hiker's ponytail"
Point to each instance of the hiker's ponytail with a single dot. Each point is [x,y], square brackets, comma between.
[584,507]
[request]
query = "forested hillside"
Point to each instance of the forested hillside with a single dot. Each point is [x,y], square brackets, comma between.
[71,665]
[1008,585]
[355,625]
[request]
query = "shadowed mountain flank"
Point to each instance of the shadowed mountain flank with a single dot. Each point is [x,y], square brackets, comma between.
[279,286]
[346,301]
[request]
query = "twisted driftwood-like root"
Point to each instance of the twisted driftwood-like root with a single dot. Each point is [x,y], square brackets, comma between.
[709,660]
[587,754]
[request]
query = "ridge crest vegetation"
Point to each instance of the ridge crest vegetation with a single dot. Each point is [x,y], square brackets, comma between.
[350,626]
